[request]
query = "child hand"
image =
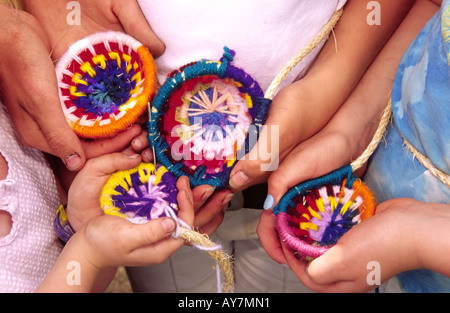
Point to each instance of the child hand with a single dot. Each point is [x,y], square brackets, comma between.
[84,194]
[28,84]
[403,235]
[333,147]
[113,241]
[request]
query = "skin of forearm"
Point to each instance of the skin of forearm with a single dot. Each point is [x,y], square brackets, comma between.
[432,244]
[60,277]
[372,94]
[344,59]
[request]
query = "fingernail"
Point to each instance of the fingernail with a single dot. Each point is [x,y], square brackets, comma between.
[189,197]
[238,180]
[227,199]
[208,193]
[224,208]
[268,203]
[137,143]
[133,156]
[73,161]
[148,156]
[168,224]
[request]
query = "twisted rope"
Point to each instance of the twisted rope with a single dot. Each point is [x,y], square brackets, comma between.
[442,176]
[379,134]
[202,242]
[324,32]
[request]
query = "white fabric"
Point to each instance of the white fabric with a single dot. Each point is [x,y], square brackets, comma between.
[265,34]
[30,196]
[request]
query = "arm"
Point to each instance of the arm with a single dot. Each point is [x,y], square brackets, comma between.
[337,144]
[106,242]
[304,107]
[109,241]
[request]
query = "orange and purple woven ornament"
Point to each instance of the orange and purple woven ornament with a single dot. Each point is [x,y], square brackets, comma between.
[105,83]
[204,118]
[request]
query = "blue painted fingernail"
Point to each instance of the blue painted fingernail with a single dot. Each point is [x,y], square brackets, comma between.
[268,203]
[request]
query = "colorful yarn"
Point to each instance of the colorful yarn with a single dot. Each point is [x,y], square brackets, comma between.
[141,194]
[148,192]
[105,83]
[204,118]
[311,220]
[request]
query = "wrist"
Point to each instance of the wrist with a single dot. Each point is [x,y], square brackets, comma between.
[61,225]
[73,271]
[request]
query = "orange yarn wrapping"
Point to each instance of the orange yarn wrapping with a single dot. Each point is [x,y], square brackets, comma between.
[100,99]
[111,129]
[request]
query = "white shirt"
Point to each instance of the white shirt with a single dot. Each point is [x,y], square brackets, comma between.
[265,34]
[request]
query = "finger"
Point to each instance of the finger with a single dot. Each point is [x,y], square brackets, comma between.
[140,142]
[107,164]
[212,225]
[313,158]
[256,166]
[136,25]
[201,194]
[43,105]
[115,144]
[216,205]
[147,155]
[269,237]
[185,201]
[149,233]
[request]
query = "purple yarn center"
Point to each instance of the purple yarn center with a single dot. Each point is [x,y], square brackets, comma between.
[146,199]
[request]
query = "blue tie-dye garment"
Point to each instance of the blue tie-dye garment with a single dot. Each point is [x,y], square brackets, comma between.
[421,109]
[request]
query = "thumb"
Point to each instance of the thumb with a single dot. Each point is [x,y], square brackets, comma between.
[63,142]
[135,24]
[313,158]
[45,109]
[329,268]
[152,231]
[110,163]
[257,165]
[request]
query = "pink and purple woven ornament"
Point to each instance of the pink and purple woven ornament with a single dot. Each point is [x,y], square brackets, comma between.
[204,118]
[312,216]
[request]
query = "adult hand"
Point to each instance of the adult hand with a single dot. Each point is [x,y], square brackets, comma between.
[36,110]
[29,88]
[94,16]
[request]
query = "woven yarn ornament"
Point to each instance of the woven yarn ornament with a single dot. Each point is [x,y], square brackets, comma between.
[105,83]
[313,215]
[148,192]
[204,118]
